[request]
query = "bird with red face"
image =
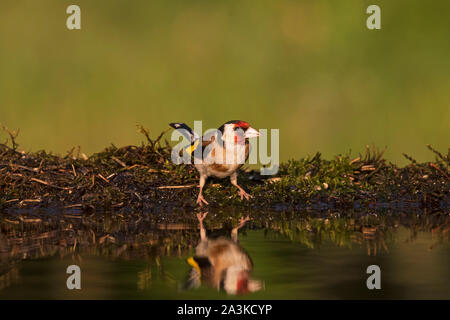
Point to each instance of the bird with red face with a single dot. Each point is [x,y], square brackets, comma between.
[221,263]
[220,153]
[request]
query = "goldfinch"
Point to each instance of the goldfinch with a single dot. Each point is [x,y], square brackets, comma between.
[220,153]
[222,263]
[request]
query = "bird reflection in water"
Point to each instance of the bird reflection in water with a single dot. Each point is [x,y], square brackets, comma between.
[221,263]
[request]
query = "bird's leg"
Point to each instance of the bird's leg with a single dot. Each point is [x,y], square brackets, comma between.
[234,232]
[242,193]
[200,199]
[200,218]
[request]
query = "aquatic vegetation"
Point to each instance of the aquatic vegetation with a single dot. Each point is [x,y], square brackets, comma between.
[144,177]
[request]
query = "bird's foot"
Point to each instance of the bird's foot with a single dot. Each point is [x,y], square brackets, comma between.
[242,221]
[201,200]
[201,216]
[243,194]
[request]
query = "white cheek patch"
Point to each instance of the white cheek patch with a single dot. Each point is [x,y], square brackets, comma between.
[234,153]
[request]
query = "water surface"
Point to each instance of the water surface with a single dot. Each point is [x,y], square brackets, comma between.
[296,255]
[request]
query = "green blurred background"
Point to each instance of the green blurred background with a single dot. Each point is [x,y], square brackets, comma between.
[310,68]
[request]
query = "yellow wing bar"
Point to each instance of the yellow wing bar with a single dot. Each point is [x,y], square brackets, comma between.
[194,264]
[192,147]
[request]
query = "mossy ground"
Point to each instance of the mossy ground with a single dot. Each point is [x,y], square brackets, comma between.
[142,178]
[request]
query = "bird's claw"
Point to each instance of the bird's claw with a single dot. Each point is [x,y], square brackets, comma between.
[243,194]
[201,200]
[201,216]
[243,220]
[241,223]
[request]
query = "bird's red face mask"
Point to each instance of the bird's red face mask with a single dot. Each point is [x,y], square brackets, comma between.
[242,283]
[238,281]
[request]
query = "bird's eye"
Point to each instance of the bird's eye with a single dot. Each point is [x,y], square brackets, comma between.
[237,128]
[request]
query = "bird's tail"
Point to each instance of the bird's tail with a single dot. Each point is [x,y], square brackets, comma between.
[185,130]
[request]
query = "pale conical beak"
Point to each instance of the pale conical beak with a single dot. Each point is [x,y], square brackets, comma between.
[251,133]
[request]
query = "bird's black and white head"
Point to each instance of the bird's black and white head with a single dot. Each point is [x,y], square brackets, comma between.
[237,132]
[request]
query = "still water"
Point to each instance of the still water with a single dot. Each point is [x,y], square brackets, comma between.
[291,255]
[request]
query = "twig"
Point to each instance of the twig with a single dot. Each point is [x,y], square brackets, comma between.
[439,169]
[30,220]
[73,206]
[111,175]
[117,205]
[40,165]
[102,177]
[157,171]
[160,136]
[12,135]
[13,166]
[146,134]
[11,221]
[134,166]
[119,162]
[30,200]
[368,167]
[50,185]
[186,186]
[178,187]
